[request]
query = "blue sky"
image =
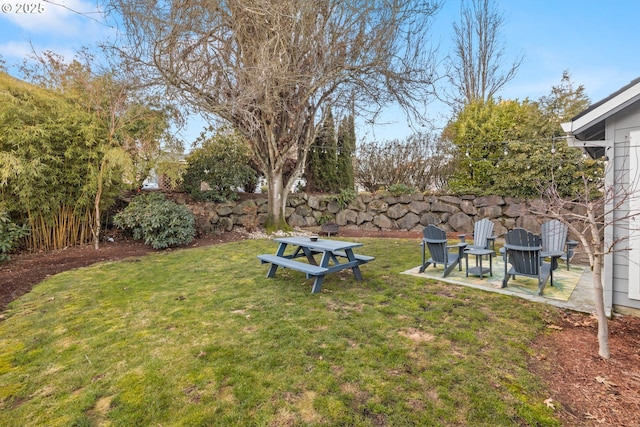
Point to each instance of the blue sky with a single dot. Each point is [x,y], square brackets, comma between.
[595,40]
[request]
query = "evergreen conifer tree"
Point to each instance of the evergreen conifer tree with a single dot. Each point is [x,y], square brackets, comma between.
[346,149]
[321,171]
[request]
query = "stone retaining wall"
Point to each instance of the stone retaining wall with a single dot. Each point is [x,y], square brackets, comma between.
[375,212]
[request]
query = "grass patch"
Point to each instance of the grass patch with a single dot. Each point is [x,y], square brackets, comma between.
[202,337]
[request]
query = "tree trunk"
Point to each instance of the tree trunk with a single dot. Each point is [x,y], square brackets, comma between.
[96,205]
[96,227]
[603,327]
[277,200]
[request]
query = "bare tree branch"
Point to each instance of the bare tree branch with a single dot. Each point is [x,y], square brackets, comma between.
[77,12]
[476,68]
[420,161]
[589,215]
[269,67]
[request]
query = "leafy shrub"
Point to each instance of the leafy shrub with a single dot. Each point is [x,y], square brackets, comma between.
[218,168]
[160,222]
[400,189]
[325,218]
[10,233]
[344,198]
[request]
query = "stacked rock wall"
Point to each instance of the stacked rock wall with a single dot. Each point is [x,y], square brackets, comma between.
[376,212]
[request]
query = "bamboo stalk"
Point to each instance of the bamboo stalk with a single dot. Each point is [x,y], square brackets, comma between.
[66,227]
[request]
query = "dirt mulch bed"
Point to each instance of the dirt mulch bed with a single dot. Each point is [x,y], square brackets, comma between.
[586,390]
[592,391]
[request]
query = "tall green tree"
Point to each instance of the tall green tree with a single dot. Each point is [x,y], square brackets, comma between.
[132,126]
[510,148]
[48,144]
[146,136]
[134,119]
[218,167]
[346,151]
[321,171]
[563,102]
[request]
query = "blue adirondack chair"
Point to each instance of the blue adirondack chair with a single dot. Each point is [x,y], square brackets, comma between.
[523,250]
[435,239]
[554,240]
[483,237]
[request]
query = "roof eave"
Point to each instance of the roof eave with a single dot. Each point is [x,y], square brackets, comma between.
[605,109]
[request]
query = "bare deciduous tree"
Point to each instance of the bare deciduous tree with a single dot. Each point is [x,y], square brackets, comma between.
[589,215]
[269,67]
[420,161]
[476,68]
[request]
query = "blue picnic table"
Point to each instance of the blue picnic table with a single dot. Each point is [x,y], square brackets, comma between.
[335,255]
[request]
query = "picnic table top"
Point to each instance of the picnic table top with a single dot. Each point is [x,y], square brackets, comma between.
[320,244]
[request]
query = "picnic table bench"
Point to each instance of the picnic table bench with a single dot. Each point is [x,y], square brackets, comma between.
[335,256]
[309,269]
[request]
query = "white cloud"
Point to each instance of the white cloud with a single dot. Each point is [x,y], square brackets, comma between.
[54,19]
[15,49]
[64,26]
[71,20]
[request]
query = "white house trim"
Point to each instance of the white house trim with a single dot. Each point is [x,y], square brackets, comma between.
[609,107]
[634,206]
[599,127]
[572,141]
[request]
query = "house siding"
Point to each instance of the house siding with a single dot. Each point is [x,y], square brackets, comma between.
[618,129]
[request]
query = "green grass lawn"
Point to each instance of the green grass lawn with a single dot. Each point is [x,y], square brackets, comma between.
[201,337]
